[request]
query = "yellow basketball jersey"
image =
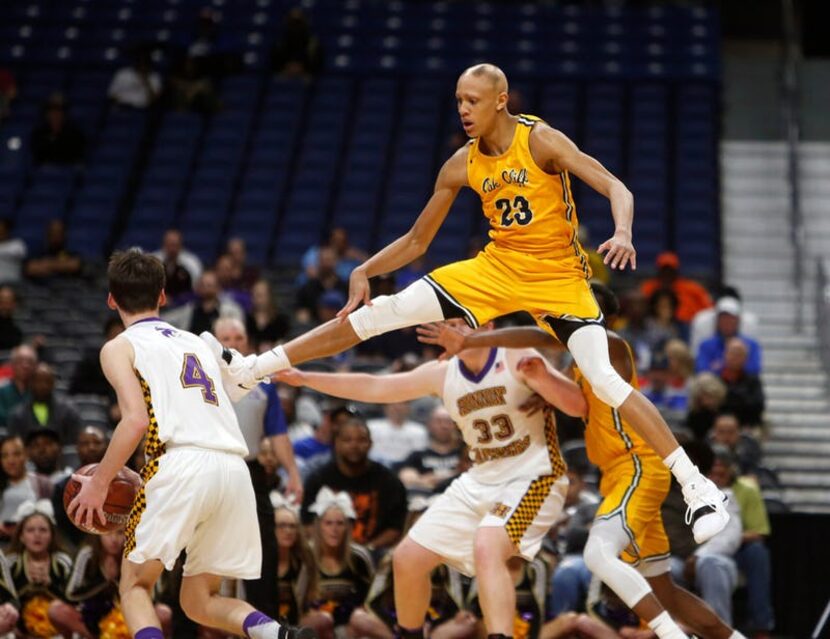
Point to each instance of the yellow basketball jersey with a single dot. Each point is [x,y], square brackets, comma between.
[530,211]
[608,438]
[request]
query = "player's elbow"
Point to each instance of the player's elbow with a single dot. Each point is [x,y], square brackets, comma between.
[136,423]
[575,405]
[620,192]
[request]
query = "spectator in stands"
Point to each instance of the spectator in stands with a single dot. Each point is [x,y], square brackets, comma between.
[378,496]
[191,89]
[8,92]
[691,296]
[210,304]
[260,412]
[89,377]
[423,469]
[744,391]
[44,448]
[706,396]
[752,556]
[12,254]
[17,484]
[90,445]
[662,321]
[248,273]
[726,432]
[346,256]
[633,328]
[395,436]
[9,604]
[710,356]
[45,409]
[297,52]
[56,139]
[710,568]
[344,569]
[314,451]
[266,325]
[325,279]
[136,86]
[17,390]
[175,256]
[668,381]
[10,333]
[55,260]
[229,276]
[704,322]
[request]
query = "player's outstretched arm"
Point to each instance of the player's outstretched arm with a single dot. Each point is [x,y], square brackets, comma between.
[552,385]
[553,149]
[453,341]
[427,379]
[117,357]
[414,243]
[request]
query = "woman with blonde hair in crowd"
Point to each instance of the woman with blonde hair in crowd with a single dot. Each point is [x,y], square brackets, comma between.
[266,326]
[707,392]
[345,569]
[39,568]
[297,575]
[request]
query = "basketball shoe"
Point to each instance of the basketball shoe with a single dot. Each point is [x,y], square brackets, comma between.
[706,510]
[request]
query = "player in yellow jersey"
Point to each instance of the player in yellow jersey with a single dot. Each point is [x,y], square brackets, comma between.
[521,168]
[627,546]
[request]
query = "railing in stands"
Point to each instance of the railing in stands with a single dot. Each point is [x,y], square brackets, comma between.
[823,310]
[790,100]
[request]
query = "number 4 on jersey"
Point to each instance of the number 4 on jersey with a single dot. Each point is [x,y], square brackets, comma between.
[194,376]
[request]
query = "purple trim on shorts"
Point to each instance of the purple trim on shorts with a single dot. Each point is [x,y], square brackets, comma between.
[466,372]
[149,633]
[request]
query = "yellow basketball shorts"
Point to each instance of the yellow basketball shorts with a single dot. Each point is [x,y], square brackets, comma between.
[634,488]
[501,281]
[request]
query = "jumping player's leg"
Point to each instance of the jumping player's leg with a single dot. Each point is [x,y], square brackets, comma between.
[496,591]
[135,589]
[413,564]
[689,609]
[588,343]
[606,541]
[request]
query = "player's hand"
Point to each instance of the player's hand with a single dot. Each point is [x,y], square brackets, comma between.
[531,367]
[359,291]
[290,376]
[88,502]
[533,404]
[619,251]
[442,334]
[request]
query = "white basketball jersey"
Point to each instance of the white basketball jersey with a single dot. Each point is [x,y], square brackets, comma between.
[504,442]
[182,386]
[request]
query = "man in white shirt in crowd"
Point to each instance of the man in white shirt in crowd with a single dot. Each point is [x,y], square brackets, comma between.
[394,436]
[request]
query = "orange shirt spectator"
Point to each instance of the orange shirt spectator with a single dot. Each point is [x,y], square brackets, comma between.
[691,296]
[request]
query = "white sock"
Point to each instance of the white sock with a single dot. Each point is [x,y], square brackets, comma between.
[680,465]
[265,631]
[270,362]
[736,635]
[665,628]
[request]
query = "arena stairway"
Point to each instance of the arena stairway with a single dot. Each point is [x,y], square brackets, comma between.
[759,259]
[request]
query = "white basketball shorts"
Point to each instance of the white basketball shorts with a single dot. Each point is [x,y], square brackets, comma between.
[525,508]
[201,501]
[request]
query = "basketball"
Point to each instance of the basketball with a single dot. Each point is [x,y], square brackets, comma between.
[118,504]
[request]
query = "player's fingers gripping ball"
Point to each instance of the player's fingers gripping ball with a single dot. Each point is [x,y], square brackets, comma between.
[117,504]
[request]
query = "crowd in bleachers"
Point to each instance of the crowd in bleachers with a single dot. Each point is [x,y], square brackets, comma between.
[353,476]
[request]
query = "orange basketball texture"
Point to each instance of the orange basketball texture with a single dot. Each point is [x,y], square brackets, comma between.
[118,504]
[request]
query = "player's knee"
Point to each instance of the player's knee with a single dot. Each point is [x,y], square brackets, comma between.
[193,603]
[416,304]
[491,546]
[599,554]
[409,559]
[607,384]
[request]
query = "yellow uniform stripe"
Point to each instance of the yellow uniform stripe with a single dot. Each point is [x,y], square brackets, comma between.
[153,449]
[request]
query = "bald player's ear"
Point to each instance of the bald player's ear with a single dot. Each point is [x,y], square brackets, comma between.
[501,101]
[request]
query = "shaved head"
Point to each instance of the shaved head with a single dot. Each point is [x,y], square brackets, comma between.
[491,72]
